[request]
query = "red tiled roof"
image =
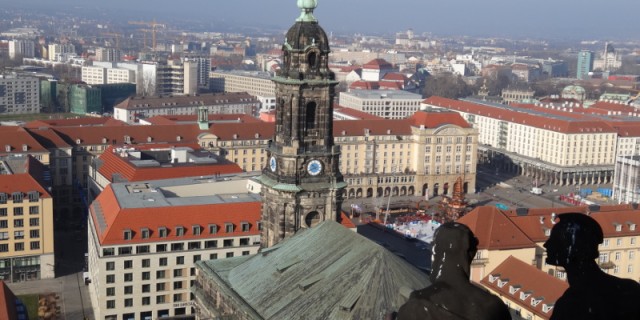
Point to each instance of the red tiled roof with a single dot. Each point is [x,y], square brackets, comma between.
[48,138]
[118,219]
[377,64]
[376,127]
[390,85]
[494,230]
[16,137]
[226,131]
[437,119]
[365,85]
[538,121]
[345,221]
[139,134]
[175,119]
[113,163]
[537,220]
[25,182]
[395,76]
[608,106]
[527,279]
[73,122]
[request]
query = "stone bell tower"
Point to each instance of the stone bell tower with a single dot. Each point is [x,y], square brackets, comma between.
[302,185]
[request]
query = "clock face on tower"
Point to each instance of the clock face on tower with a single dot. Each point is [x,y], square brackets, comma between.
[273,164]
[314,167]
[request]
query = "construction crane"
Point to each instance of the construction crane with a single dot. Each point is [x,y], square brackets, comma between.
[116,36]
[154,25]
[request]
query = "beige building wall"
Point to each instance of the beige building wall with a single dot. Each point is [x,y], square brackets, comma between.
[487,260]
[26,239]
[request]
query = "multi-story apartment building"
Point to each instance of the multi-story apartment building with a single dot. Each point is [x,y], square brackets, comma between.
[145,237]
[557,148]
[94,74]
[98,74]
[388,104]
[21,49]
[135,108]
[203,68]
[26,220]
[59,52]
[258,84]
[108,54]
[176,78]
[19,94]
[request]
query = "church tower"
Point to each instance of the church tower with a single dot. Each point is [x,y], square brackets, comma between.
[301,184]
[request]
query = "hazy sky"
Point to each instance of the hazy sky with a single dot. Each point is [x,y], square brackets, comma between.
[576,19]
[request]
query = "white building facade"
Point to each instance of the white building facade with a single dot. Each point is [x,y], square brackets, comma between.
[258,84]
[144,268]
[388,104]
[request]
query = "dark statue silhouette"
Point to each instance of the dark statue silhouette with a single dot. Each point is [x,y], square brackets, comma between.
[451,294]
[592,294]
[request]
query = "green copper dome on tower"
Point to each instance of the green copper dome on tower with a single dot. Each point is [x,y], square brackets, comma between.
[307,7]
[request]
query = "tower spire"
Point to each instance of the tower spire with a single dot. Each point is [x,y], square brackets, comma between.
[307,7]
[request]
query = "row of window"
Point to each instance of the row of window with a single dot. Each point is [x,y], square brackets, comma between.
[17,197]
[163,232]
[178,246]
[18,211]
[19,223]
[19,234]
[19,246]
[145,301]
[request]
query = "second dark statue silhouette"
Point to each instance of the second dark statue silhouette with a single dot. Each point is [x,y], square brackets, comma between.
[592,294]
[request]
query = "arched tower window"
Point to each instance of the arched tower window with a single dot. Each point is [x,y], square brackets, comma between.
[311,115]
[312,60]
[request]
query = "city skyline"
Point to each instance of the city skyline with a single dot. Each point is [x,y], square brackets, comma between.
[495,18]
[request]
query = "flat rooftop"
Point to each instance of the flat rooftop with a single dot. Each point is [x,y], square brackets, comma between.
[185,191]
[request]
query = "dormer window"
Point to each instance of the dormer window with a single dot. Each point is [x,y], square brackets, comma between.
[547,307]
[127,139]
[502,282]
[145,233]
[493,278]
[25,147]
[149,139]
[547,232]
[7,148]
[213,229]
[16,197]
[3,198]
[618,227]
[104,140]
[536,301]
[524,295]
[632,226]
[228,227]
[178,138]
[34,196]
[78,141]
[195,230]
[245,226]
[162,232]
[179,231]
[514,289]
[127,234]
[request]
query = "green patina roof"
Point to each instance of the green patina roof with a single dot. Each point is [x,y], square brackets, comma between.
[326,272]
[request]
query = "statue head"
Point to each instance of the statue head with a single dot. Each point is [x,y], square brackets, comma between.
[574,239]
[454,247]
